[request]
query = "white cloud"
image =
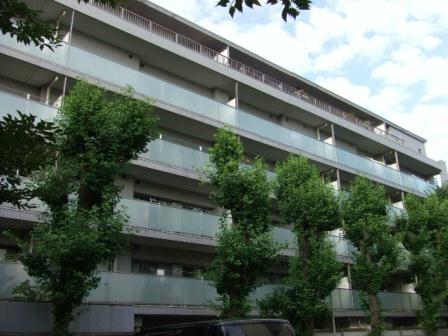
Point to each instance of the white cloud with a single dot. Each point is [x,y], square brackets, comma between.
[429,121]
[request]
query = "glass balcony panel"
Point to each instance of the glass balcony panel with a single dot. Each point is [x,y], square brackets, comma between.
[211,225]
[127,287]
[172,289]
[11,275]
[206,107]
[150,289]
[87,63]
[357,300]
[283,235]
[346,299]
[150,84]
[58,56]
[391,301]
[415,301]
[173,152]
[195,292]
[250,123]
[340,245]
[168,218]
[11,104]
[262,291]
[90,64]
[335,299]
[228,115]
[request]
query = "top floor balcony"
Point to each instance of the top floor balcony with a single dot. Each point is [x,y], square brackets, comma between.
[222,58]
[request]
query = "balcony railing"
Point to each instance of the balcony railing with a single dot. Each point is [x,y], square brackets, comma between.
[186,42]
[99,68]
[348,299]
[154,216]
[134,288]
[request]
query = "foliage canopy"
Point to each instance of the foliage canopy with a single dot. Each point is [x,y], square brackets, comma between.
[245,247]
[26,145]
[82,226]
[424,228]
[310,207]
[291,8]
[366,225]
[19,20]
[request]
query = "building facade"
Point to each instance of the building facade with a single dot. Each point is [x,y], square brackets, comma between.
[198,82]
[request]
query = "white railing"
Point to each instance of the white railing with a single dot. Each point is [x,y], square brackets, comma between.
[184,41]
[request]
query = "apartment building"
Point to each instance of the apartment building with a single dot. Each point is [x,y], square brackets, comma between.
[198,82]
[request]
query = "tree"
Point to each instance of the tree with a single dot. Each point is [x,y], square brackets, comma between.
[291,8]
[82,226]
[378,253]
[424,228]
[18,20]
[23,134]
[25,147]
[245,247]
[310,206]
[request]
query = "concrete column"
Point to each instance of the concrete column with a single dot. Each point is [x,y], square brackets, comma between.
[397,162]
[443,173]
[403,199]
[333,136]
[236,95]
[48,89]
[72,20]
[349,274]
[333,322]
[338,179]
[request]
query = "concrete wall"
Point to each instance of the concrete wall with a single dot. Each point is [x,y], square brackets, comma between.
[410,142]
[176,80]
[32,318]
[105,50]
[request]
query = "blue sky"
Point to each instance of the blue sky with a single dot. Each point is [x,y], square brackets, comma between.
[390,56]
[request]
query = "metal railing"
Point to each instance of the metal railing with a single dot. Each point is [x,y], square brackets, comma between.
[186,42]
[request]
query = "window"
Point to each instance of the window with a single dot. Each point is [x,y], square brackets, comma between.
[166,269]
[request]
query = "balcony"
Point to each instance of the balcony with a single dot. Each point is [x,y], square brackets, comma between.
[153,216]
[246,70]
[88,64]
[134,288]
[348,299]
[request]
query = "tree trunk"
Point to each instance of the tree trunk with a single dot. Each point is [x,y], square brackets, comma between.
[309,327]
[61,322]
[375,318]
[88,198]
[304,255]
[235,307]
